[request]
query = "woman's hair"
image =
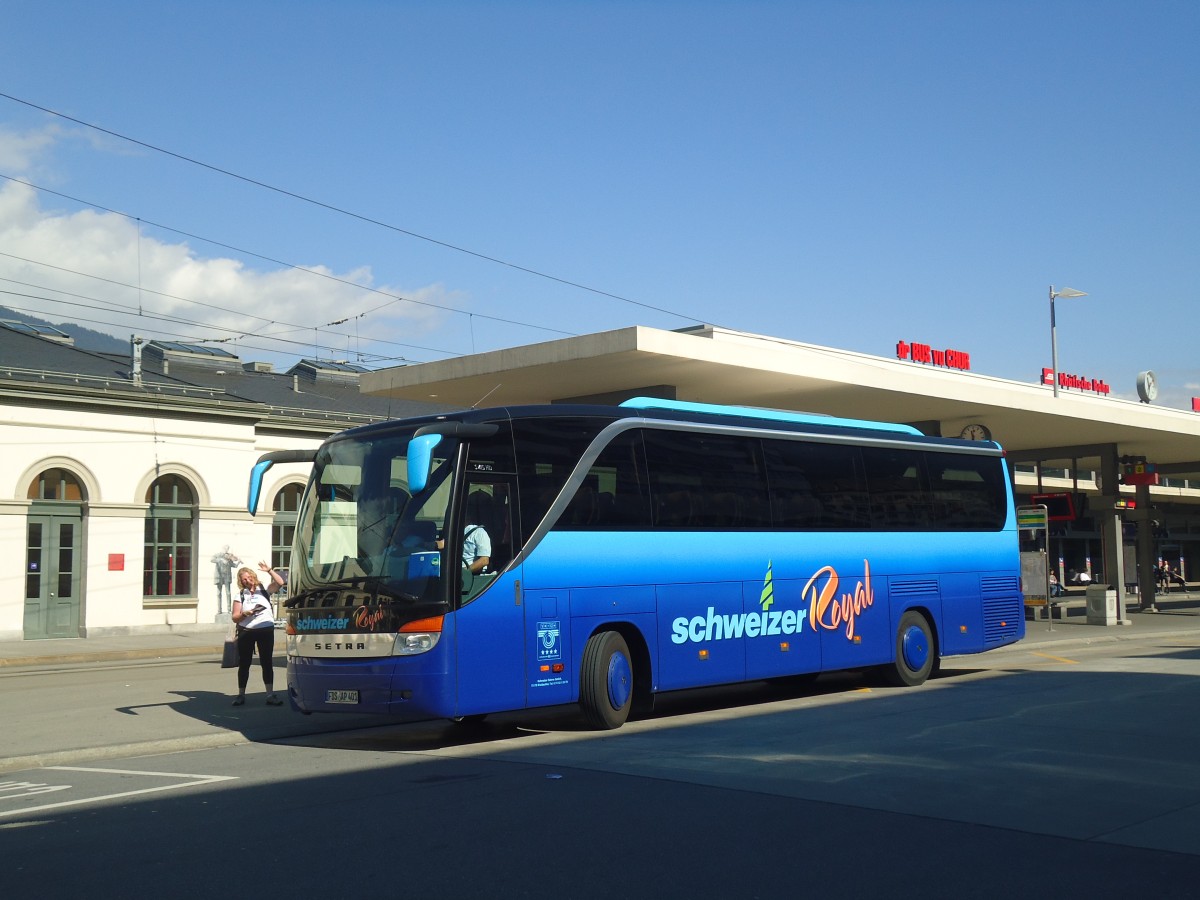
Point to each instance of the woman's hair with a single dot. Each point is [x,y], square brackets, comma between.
[246,569]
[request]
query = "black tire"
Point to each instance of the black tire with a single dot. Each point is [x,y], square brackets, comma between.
[916,652]
[606,681]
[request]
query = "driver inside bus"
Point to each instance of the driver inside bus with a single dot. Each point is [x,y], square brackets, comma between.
[477,544]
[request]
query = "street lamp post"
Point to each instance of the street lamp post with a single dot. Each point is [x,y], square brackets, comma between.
[1068,293]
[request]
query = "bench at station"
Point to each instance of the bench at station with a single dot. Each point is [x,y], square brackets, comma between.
[1036,607]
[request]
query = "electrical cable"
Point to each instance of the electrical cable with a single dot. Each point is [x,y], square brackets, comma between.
[393,298]
[345,212]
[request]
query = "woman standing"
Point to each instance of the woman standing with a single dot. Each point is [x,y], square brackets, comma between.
[256,629]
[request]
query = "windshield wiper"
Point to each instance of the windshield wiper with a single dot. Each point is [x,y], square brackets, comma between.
[377,583]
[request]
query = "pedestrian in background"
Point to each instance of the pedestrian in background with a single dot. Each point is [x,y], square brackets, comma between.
[256,629]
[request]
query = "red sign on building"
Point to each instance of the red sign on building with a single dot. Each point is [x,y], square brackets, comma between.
[923,353]
[1095,385]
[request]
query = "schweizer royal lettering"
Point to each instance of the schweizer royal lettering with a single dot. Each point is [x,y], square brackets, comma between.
[325,623]
[830,612]
[365,619]
[713,627]
[825,610]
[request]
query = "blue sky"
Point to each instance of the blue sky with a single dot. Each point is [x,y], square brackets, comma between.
[849,174]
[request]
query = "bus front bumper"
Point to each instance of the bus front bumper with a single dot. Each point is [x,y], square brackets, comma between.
[379,686]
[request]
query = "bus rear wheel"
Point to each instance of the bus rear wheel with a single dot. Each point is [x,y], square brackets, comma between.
[606,681]
[916,654]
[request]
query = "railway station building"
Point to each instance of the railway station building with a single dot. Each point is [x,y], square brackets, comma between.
[126,473]
[1120,479]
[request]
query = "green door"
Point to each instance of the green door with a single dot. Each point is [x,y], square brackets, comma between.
[52,573]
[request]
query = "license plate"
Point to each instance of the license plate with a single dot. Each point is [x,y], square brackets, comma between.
[341,696]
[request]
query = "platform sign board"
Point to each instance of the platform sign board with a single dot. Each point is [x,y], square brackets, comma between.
[1035,568]
[1033,578]
[1030,518]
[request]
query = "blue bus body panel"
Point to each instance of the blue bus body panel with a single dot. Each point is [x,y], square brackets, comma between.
[490,646]
[757,605]
[549,668]
[707,609]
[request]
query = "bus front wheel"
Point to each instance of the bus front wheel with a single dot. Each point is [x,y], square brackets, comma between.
[606,680]
[916,654]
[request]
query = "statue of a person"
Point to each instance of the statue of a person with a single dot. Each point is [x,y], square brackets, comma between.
[223,565]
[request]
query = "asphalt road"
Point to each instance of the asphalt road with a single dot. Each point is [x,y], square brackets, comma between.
[1039,771]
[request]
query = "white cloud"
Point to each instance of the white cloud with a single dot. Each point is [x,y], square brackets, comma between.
[20,151]
[126,282]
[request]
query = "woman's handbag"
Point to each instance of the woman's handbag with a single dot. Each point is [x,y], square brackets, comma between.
[229,653]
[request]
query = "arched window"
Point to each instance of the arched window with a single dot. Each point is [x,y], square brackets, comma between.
[55,484]
[169,560]
[286,507]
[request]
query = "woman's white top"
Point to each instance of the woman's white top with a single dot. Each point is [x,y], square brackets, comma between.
[264,618]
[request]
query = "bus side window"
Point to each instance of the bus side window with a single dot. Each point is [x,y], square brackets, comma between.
[899,492]
[815,486]
[696,480]
[501,521]
[613,494]
[967,492]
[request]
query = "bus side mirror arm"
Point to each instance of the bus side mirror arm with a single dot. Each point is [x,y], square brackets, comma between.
[265,462]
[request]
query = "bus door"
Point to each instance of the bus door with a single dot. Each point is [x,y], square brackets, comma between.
[490,619]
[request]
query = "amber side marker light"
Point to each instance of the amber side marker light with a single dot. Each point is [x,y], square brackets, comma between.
[431,624]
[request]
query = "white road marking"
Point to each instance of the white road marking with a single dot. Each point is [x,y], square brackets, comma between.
[11,790]
[193,781]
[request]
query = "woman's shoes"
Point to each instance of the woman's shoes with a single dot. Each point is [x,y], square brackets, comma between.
[272,700]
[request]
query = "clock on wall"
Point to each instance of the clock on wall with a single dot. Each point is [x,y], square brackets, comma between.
[1147,386]
[976,432]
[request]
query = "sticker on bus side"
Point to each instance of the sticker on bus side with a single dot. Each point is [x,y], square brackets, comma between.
[549,638]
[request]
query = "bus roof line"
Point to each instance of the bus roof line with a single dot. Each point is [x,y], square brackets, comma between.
[753,412]
[883,439]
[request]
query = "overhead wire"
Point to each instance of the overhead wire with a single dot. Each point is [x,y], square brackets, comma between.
[182,338]
[345,212]
[392,298]
[139,313]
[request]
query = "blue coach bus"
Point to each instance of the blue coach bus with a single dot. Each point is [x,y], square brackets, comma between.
[516,558]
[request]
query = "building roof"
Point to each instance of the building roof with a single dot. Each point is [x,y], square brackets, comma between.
[197,377]
[717,365]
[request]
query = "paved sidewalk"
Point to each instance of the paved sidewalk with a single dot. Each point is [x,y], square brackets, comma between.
[1178,613]
[199,641]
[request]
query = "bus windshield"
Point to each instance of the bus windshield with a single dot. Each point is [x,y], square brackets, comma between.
[361,526]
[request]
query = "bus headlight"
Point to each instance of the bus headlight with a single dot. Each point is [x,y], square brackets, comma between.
[418,636]
[412,643]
